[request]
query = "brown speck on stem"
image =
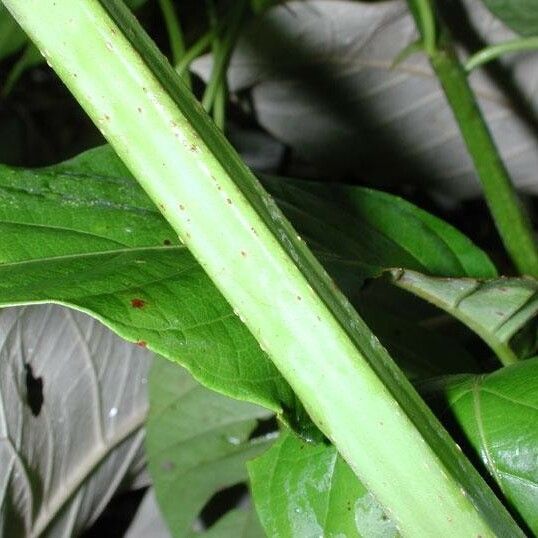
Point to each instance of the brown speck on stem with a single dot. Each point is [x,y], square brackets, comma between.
[193,148]
[138,303]
[142,343]
[244,254]
[139,110]
[299,298]
[182,207]
[229,201]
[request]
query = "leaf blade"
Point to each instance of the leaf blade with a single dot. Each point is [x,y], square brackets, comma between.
[197,443]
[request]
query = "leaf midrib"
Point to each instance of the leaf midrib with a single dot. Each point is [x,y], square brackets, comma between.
[68,257]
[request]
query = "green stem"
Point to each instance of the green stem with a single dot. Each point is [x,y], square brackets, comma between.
[510,218]
[512,222]
[493,52]
[193,52]
[222,56]
[219,106]
[175,36]
[423,13]
[339,370]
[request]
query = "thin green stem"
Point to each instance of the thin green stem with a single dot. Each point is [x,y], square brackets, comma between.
[493,52]
[175,36]
[510,218]
[219,106]
[221,58]
[423,13]
[198,48]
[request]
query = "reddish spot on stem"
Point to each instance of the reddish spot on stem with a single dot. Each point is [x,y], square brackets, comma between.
[142,343]
[138,303]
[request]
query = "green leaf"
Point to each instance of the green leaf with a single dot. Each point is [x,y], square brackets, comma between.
[497,414]
[377,230]
[302,489]
[520,15]
[84,234]
[495,309]
[197,443]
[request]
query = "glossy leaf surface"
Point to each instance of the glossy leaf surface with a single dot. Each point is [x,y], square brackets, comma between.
[497,415]
[301,489]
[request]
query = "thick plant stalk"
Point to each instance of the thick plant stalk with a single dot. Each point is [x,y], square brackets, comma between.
[512,222]
[345,379]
